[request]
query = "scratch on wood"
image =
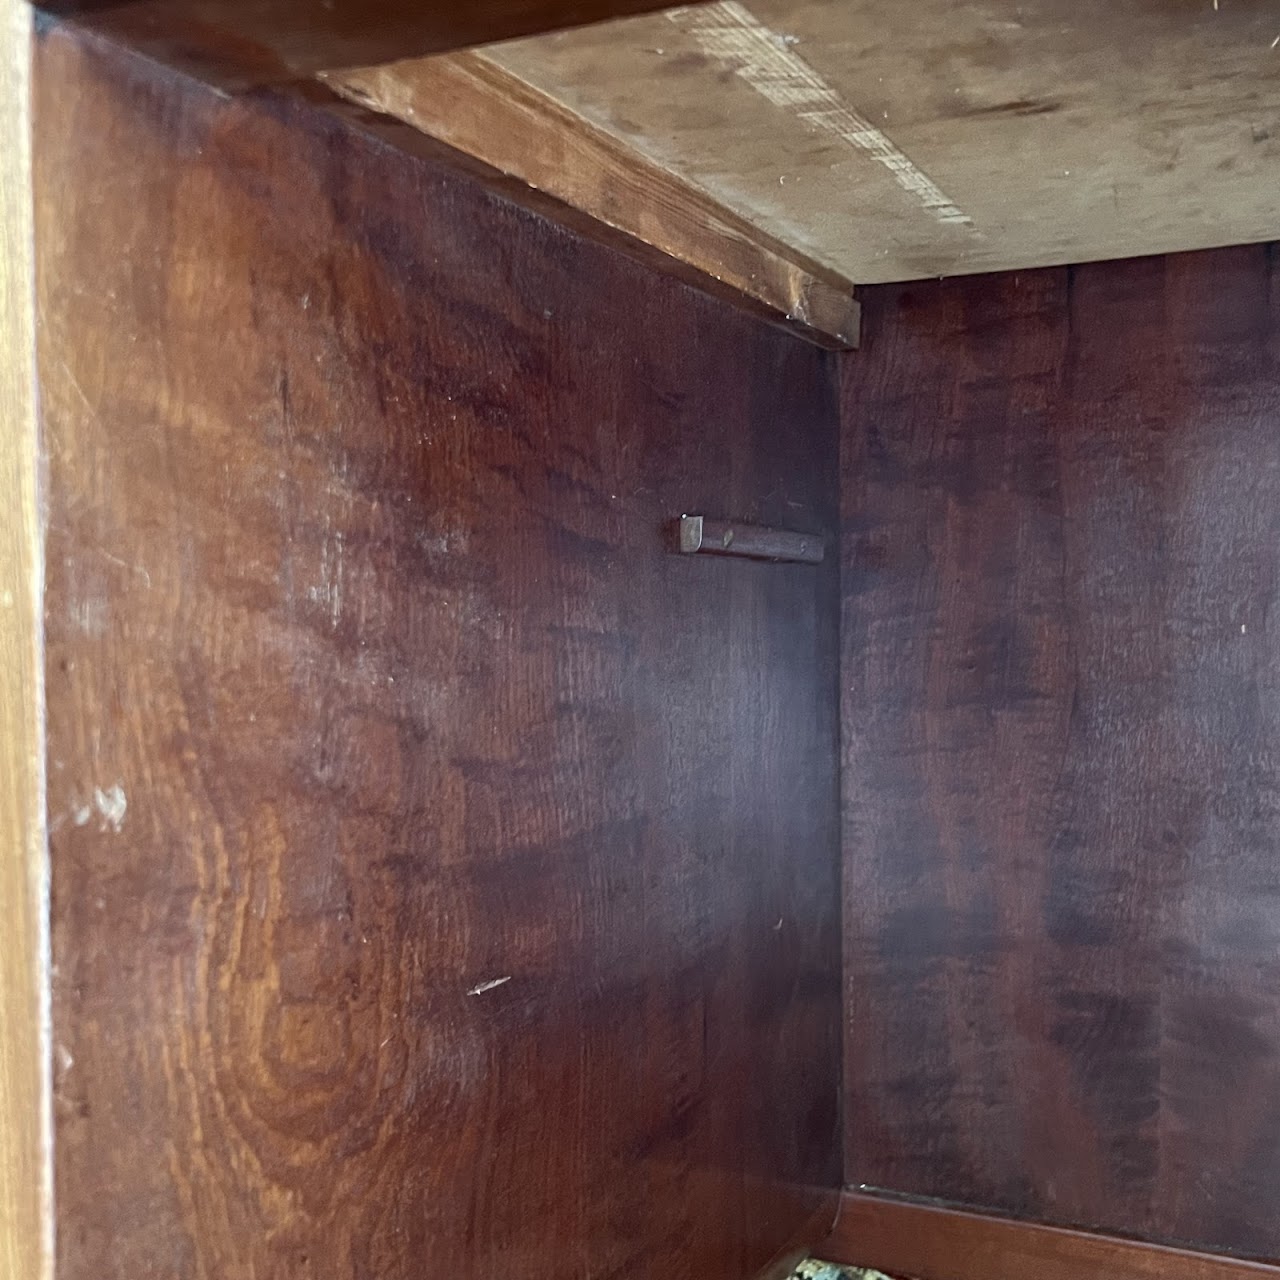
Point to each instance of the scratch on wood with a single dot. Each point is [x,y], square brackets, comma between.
[481,987]
[140,570]
[729,34]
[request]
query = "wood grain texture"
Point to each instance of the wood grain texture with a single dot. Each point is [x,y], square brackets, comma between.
[263,41]
[480,108]
[25,1225]
[1061,553]
[904,141]
[932,1243]
[445,875]
[811,1232]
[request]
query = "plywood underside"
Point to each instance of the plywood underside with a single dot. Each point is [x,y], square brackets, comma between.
[899,141]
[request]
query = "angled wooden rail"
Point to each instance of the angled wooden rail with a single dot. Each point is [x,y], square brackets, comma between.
[478,107]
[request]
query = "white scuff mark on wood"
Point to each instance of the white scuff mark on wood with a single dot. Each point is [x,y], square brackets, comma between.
[112,805]
[481,987]
[332,571]
[89,616]
[81,814]
[442,543]
[730,34]
[335,580]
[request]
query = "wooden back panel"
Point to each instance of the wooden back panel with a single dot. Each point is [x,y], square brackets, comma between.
[1062,721]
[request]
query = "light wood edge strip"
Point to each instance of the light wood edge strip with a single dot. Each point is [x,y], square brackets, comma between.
[926,1242]
[484,110]
[26,1213]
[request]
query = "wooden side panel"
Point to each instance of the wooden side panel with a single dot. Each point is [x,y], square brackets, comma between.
[25,1228]
[445,874]
[1062,718]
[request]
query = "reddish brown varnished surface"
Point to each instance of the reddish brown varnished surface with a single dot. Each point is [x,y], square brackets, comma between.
[445,875]
[258,41]
[929,1242]
[1062,726]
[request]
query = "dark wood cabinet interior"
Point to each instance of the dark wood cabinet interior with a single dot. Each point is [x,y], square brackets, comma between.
[446,876]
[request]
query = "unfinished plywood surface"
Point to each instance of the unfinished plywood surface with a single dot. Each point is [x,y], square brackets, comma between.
[893,142]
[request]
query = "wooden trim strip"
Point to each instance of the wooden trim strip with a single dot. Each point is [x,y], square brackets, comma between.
[26,1221]
[926,1242]
[480,108]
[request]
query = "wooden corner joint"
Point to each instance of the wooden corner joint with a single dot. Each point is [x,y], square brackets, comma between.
[480,108]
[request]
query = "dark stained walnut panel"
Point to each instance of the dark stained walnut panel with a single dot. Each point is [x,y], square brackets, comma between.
[273,41]
[1061,701]
[445,875]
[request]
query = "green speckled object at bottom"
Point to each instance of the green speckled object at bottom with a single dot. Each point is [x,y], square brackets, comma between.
[813,1270]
